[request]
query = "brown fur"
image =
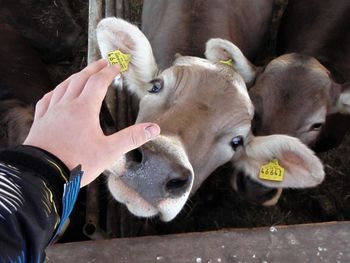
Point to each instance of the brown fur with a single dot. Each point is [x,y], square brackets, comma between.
[203,115]
[23,81]
[320,28]
[184,26]
[280,108]
[203,108]
[49,26]
[289,91]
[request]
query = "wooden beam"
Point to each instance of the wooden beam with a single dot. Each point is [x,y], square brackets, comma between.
[325,242]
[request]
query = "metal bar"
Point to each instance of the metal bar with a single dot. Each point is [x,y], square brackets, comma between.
[113,222]
[92,228]
[119,8]
[95,14]
[92,201]
[118,105]
[117,217]
[126,7]
[109,8]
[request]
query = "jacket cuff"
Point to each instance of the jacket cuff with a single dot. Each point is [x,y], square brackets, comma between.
[64,184]
[41,164]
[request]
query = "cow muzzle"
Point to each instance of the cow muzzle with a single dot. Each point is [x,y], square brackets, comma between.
[157,182]
[254,192]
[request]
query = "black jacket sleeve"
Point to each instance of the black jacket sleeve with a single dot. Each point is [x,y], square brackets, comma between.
[37,194]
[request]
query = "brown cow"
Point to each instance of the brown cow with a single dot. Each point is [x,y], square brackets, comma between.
[327,39]
[185,26]
[49,26]
[202,106]
[300,94]
[23,81]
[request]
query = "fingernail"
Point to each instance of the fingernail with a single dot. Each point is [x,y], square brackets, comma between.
[152,131]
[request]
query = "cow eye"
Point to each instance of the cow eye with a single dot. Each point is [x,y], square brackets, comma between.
[237,142]
[157,86]
[316,126]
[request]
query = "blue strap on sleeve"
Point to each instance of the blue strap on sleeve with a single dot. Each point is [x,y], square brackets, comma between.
[70,195]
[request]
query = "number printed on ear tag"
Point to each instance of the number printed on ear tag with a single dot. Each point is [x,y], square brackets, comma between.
[272,171]
[120,58]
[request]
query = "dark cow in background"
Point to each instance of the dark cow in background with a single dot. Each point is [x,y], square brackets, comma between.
[49,26]
[23,81]
[185,26]
[302,94]
[321,29]
[31,31]
[201,105]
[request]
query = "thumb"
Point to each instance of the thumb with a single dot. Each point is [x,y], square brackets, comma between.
[132,137]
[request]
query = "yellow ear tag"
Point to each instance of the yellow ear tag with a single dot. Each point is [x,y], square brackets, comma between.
[227,62]
[118,57]
[272,171]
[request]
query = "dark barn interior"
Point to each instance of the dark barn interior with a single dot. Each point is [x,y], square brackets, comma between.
[215,206]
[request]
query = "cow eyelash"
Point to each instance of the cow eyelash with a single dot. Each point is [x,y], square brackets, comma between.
[157,86]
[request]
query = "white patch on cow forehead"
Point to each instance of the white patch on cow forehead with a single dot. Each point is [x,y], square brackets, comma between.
[191,61]
[236,78]
[169,77]
[243,130]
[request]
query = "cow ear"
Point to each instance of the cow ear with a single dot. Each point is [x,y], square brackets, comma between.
[220,50]
[301,167]
[343,101]
[117,34]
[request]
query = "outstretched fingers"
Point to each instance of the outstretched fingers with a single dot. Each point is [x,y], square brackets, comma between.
[42,105]
[58,92]
[130,138]
[97,85]
[79,80]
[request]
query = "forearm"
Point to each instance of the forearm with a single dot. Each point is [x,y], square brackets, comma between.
[36,197]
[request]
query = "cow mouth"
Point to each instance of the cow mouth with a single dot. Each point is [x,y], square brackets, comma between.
[124,193]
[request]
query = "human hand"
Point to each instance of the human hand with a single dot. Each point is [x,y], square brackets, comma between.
[66,123]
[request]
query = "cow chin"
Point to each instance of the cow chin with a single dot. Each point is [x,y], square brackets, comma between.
[166,208]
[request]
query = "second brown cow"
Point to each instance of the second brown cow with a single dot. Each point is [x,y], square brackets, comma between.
[304,94]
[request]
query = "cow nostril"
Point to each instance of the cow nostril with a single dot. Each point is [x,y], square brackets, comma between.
[176,183]
[135,155]
[138,155]
[177,186]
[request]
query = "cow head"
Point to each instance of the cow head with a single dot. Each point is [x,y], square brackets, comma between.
[292,95]
[204,112]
